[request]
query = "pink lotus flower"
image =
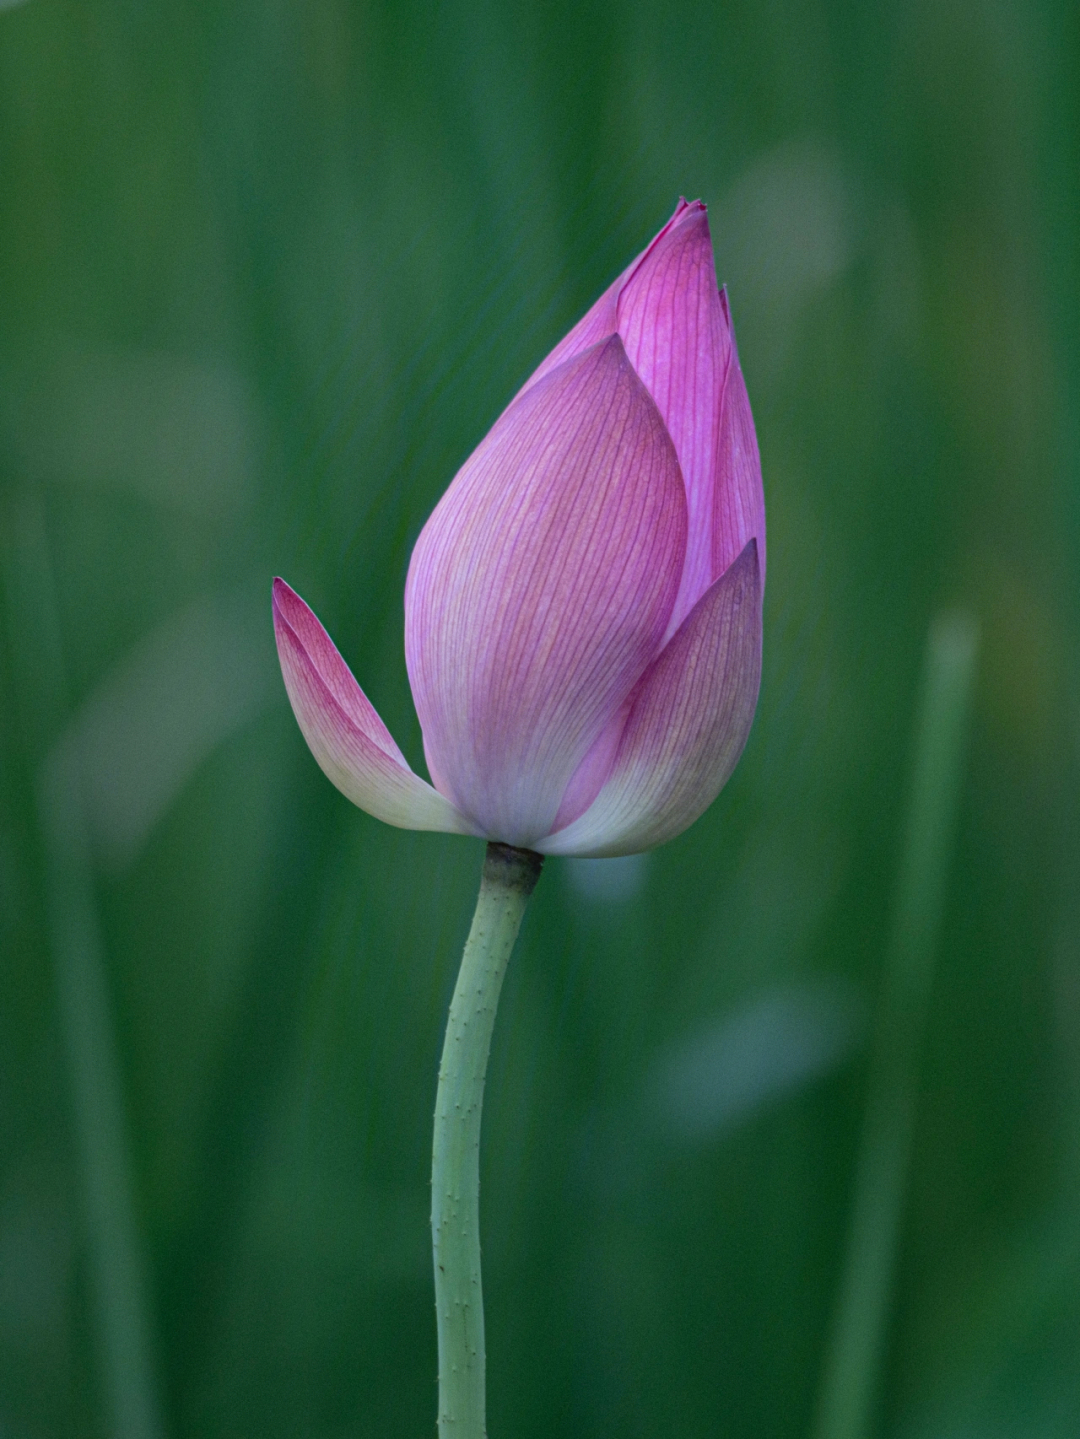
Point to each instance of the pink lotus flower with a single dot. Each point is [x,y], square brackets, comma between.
[583,607]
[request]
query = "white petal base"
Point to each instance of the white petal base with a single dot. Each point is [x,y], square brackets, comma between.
[353,747]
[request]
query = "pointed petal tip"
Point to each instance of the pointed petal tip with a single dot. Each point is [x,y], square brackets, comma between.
[286,603]
[601,319]
[689,221]
[690,215]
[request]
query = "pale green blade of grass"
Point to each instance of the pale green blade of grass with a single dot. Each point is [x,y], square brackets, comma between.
[116,1263]
[854,1355]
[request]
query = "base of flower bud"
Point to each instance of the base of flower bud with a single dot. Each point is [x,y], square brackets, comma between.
[512,868]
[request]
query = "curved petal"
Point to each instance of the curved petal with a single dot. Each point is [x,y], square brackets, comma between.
[676,334]
[540,588]
[602,319]
[738,497]
[687,726]
[353,747]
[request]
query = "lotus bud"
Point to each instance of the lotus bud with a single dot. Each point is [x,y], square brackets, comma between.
[583,607]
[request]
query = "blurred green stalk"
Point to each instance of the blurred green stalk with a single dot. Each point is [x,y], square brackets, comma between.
[853,1358]
[509,878]
[114,1247]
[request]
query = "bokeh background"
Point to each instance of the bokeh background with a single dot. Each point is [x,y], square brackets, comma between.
[269,271]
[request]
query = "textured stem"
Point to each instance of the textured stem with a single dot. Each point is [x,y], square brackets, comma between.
[508,880]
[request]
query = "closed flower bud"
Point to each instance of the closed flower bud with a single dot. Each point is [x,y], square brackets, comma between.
[583,607]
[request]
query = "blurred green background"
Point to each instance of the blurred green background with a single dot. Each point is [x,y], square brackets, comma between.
[269,271]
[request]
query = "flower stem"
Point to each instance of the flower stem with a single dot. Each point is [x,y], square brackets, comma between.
[508,880]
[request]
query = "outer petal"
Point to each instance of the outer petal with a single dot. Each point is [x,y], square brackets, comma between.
[352,745]
[687,726]
[602,319]
[738,497]
[677,336]
[539,590]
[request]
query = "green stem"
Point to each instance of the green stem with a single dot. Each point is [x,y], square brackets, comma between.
[508,880]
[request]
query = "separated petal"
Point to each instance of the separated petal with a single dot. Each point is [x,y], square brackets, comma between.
[353,747]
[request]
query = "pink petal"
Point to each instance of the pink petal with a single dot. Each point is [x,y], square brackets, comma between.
[677,337]
[540,588]
[353,747]
[592,773]
[738,498]
[688,724]
[602,319]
